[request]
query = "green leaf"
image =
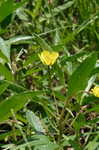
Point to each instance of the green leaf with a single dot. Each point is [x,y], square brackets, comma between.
[5,48]
[73,57]
[7,7]
[33,70]
[61,8]
[59,96]
[71,36]
[93,144]
[67,139]
[6,73]
[20,39]
[44,45]
[37,8]
[95,108]
[75,144]
[9,134]
[79,122]
[39,142]
[3,58]
[80,77]
[35,122]
[15,102]
[49,146]
[22,14]
[30,59]
[95,71]
[3,86]
[89,100]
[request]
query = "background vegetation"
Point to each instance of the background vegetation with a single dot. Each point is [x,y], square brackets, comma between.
[49,107]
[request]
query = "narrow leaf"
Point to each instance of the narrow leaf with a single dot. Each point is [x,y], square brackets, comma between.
[8,6]
[5,49]
[80,77]
[6,73]
[15,102]
[3,86]
[42,43]
[35,121]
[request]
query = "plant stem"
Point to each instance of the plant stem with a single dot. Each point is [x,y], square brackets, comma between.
[61,124]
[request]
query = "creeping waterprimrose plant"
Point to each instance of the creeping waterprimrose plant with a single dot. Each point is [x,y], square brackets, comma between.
[49,74]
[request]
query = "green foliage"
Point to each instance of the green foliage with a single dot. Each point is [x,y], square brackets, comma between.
[5,49]
[49,107]
[13,103]
[34,121]
[6,73]
[3,87]
[79,78]
[7,7]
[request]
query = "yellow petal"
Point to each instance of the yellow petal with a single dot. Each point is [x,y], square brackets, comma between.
[48,58]
[54,56]
[45,55]
[95,91]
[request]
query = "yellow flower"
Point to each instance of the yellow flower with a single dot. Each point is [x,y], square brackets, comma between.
[48,58]
[95,91]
